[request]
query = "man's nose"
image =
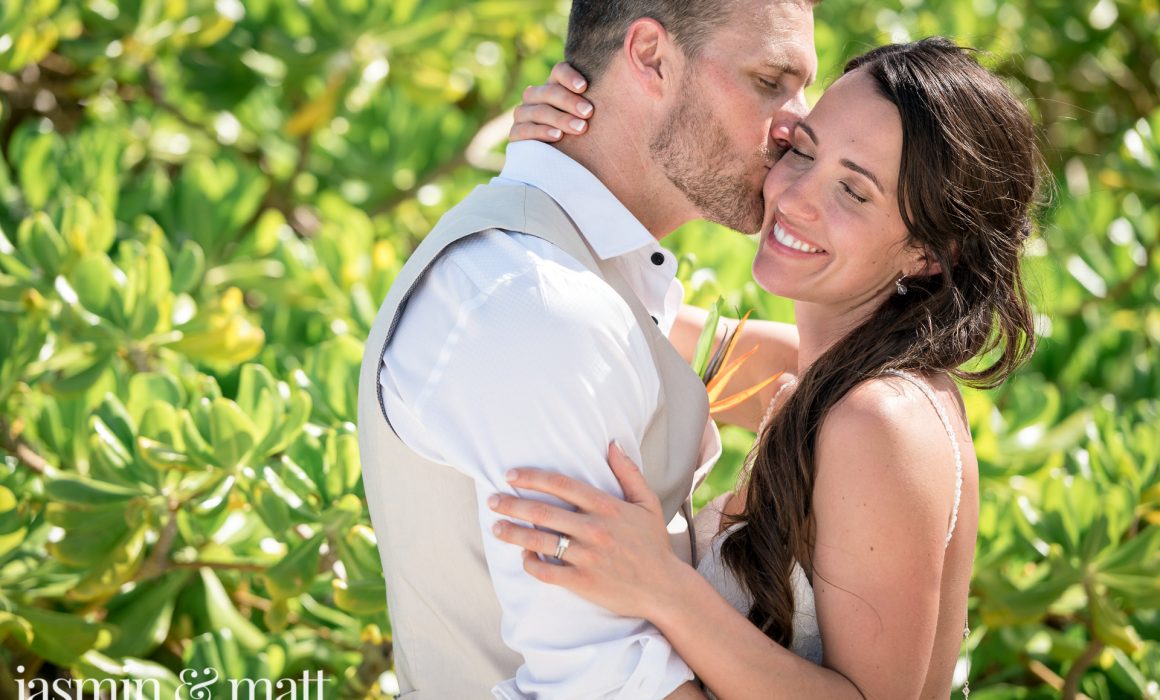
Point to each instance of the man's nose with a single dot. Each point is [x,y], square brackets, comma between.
[786,120]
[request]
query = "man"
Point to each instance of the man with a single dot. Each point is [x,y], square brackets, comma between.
[528,329]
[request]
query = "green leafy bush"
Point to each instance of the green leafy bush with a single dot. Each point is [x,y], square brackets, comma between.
[203,203]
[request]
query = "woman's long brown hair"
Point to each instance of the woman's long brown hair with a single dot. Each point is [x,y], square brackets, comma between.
[968,181]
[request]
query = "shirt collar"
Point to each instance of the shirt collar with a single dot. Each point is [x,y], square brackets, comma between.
[610,229]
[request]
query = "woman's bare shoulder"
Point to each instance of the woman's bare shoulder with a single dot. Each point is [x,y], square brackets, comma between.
[885,441]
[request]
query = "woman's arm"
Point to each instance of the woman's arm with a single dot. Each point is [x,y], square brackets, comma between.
[732,657]
[621,559]
[777,343]
[882,502]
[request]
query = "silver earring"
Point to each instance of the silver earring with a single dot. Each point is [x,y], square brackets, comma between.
[902,290]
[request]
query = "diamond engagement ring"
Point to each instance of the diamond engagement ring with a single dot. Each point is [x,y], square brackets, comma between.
[562,546]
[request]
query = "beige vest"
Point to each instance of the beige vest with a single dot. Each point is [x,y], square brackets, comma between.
[445,617]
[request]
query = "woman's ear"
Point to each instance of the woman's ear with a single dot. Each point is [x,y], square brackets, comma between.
[923,264]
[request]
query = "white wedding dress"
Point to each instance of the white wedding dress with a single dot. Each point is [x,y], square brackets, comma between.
[807,637]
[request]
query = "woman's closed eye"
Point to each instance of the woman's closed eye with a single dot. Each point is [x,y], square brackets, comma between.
[854,194]
[800,153]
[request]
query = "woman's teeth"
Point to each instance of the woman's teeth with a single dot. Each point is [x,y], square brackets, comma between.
[789,241]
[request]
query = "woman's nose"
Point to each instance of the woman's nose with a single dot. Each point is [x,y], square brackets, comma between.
[798,198]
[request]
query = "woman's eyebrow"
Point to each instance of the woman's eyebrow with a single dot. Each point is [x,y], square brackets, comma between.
[845,161]
[859,169]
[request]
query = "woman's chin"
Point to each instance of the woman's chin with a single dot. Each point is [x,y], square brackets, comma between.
[774,281]
[777,279]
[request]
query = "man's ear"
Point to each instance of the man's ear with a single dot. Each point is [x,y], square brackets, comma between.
[652,57]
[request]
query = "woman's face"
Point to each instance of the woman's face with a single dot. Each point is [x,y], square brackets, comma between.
[832,234]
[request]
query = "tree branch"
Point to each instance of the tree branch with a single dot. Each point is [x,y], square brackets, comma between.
[12,443]
[1075,673]
[219,566]
[159,558]
[1049,677]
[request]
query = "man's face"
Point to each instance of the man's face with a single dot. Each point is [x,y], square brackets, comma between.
[740,100]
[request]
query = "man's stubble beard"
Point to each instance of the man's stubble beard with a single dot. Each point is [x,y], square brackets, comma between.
[694,152]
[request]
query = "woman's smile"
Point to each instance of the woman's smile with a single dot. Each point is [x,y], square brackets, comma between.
[789,242]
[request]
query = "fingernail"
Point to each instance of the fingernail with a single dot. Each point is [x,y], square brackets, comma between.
[579,83]
[497,528]
[616,446]
[577,124]
[511,475]
[584,109]
[493,500]
[555,133]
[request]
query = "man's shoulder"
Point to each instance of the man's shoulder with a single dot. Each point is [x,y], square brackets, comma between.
[498,282]
[493,256]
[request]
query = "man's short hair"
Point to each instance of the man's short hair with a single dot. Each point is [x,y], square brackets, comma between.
[596,28]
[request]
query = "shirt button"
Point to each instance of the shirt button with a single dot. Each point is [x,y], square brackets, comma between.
[658,259]
[654,318]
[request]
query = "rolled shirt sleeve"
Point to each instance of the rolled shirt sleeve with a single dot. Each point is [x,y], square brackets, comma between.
[542,367]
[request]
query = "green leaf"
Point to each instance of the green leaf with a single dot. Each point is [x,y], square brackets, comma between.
[342,473]
[232,433]
[39,176]
[39,237]
[705,341]
[359,554]
[62,638]
[192,430]
[94,664]
[188,267]
[291,576]
[1112,627]
[271,508]
[87,492]
[223,615]
[142,616]
[360,597]
[94,279]
[256,388]
[91,534]
[147,388]
[89,229]
[117,568]
[334,367]
[163,457]
[12,522]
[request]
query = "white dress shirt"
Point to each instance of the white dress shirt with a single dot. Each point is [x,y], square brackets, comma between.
[510,353]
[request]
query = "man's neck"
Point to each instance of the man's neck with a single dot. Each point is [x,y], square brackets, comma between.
[622,163]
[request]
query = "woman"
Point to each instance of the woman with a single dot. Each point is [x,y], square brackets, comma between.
[840,567]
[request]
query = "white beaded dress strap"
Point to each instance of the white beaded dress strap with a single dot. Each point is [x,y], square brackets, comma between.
[773,404]
[946,421]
